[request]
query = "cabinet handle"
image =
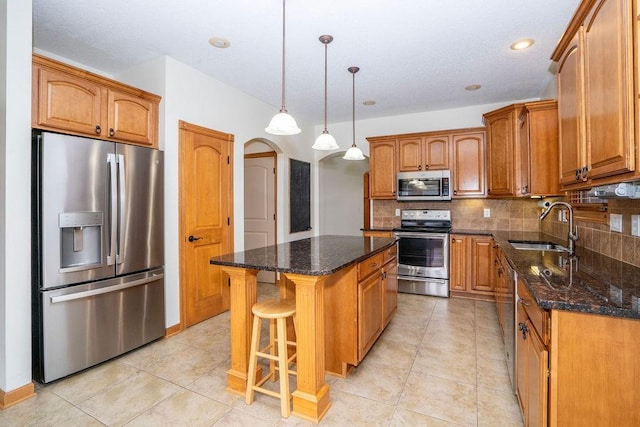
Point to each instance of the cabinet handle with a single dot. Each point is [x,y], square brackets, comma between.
[193,238]
[98,129]
[578,174]
[419,167]
[373,265]
[426,167]
[585,169]
[455,192]
[523,302]
[523,328]
[111,132]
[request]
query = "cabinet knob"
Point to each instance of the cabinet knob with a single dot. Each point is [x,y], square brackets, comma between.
[111,132]
[455,192]
[419,167]
[426,167]
[578,174]
[583,174]
[523,328]
[98,129]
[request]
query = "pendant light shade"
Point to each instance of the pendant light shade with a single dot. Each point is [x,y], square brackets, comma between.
[354,153]
[282,123]
[325,141]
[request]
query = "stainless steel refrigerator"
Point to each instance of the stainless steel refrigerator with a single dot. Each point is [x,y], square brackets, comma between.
[98,251]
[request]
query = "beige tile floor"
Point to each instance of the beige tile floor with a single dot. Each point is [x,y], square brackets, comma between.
[439,363]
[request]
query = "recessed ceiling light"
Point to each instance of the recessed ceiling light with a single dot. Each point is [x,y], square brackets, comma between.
[219,42]
[522,44]
[369,103]
[472,87]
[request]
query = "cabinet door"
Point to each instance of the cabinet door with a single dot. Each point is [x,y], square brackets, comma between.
[390,290]
[608,68]
[539,149]
[570,114]
[468,165]
[436,152]
[500,154]
[482,264]
[382,172]
[410,156]
[537,367]
[68,103]
[369,313]
[458,263]
[132,119]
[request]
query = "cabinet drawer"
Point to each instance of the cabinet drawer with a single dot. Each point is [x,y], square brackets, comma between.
[390,253]
[370,265]
[539,318]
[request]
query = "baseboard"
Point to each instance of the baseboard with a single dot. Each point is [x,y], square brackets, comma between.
[172,330]
[10,398]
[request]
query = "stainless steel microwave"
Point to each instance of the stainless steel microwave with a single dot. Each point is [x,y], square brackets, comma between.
[424,186]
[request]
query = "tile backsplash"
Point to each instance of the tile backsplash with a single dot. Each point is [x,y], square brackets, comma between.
[522,215]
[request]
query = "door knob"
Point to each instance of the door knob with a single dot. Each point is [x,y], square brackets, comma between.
[193,239]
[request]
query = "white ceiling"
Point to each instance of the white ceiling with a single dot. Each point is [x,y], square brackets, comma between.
[414,55]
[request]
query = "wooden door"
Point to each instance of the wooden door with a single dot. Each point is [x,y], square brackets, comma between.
[390,290]
[260,205]
[206,227]
[410,155]
[382,169]
[436,152]
[537,367]
[608,72]
[468,165]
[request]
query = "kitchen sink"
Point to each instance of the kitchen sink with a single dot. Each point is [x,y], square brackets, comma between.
[534,245]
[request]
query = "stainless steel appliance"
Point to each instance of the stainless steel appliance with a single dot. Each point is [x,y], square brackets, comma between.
[424,186]
[98,251]
[423,252]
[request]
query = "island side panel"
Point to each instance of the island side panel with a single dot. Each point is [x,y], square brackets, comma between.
[311,398]
[243,295]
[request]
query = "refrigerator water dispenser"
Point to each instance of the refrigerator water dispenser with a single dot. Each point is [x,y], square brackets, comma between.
[80,240]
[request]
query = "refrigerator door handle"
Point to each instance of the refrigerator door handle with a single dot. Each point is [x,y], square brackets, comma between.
[112,217]
[122,197]
[93,292]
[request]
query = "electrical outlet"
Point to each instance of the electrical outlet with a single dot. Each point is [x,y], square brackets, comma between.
[397,212]
[615,222]
[487,213]
[635,225]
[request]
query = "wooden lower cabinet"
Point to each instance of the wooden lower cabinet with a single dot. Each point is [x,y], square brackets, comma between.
[471,266]
[576,368]
[359,302]
[377,233]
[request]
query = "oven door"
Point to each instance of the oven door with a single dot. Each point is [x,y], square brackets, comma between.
[423,254]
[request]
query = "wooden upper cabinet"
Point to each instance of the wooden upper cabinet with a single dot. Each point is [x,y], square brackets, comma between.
[572,151]
[608,71]
[596,95]
[423,153]
[382,171]
[538,165]
[502,143]
[132,118]
[74,101]
[67,102]
[467,153]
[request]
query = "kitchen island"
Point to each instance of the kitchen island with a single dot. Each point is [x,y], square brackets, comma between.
[344,298]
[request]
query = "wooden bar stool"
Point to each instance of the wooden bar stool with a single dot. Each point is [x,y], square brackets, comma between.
[277,311]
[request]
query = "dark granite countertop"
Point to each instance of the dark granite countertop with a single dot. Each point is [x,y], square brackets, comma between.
[588,282]
[316,256]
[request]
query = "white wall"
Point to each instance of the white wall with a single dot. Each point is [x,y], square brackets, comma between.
[15,194]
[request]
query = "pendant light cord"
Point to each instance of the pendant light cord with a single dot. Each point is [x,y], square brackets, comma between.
[283,109]
[325,86]
[354,70]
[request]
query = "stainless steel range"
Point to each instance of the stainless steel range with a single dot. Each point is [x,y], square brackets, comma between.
[423,252]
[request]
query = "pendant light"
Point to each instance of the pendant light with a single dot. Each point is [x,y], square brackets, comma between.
[354,153]
[282,123]
[325,141]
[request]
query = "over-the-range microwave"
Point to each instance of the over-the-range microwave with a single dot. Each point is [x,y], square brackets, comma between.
[424,186]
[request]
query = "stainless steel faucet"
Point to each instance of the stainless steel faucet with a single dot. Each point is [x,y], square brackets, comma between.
[573,233]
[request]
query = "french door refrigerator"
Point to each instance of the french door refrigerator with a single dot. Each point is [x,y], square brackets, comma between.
[98,251]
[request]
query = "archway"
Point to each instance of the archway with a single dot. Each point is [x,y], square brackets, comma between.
[341,194]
